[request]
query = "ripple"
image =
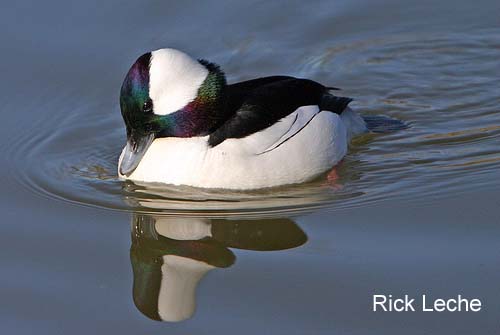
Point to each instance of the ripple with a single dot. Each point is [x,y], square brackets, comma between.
[444,87]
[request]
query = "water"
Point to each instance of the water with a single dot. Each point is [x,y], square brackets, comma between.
[415,211]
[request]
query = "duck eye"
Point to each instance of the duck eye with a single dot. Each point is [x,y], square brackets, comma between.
[148,106]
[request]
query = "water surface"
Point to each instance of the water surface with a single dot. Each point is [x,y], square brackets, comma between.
[414,211]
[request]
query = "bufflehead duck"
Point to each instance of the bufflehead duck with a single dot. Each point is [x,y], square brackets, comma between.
[186,126]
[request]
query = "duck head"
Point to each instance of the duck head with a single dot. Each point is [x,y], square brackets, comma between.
[166,93]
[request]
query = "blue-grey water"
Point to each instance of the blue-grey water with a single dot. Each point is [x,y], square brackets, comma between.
[415,211]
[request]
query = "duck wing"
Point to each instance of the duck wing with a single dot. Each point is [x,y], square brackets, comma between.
[280,105]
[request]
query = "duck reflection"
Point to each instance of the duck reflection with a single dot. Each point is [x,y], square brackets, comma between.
[170,255]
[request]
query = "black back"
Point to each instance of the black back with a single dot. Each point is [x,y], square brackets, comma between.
[259,103]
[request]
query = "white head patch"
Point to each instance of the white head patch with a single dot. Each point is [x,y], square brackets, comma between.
[174,79]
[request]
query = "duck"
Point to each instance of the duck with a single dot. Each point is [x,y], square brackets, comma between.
[187,126]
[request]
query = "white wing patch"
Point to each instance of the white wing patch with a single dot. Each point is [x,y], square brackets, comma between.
[299,120]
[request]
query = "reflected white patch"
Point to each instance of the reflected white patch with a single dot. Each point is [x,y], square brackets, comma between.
[180,277]
[182,229]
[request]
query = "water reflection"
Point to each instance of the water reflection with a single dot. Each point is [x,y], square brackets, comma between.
[170,255]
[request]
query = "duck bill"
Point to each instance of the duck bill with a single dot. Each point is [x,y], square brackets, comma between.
[134,152]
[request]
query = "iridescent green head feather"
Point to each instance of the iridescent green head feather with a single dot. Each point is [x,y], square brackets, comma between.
[134,95]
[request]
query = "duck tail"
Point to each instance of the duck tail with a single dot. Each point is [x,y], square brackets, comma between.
[335,104]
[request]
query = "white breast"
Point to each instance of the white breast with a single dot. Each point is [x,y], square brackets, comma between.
[251,162]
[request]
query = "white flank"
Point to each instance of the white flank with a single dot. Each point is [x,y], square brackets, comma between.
[241,163]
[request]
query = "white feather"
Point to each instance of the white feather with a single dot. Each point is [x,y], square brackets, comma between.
[174,79]
[296,122]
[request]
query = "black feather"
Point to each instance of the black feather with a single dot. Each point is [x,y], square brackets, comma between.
[254,105]
[262,102]
[333,103]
